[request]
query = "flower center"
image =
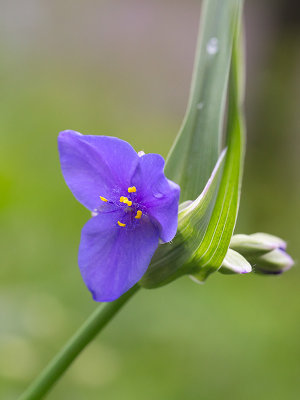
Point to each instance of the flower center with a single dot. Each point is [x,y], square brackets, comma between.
[129,208]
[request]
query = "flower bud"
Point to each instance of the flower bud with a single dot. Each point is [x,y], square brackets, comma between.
[275,262]
[266,253]
[234,263]
[256,244]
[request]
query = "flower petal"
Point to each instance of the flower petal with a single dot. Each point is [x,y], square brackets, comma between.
[94,166]
[158,194]
[113,258]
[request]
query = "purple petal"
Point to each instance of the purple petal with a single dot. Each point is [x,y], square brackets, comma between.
[159,195]
[94,166]
[113,258]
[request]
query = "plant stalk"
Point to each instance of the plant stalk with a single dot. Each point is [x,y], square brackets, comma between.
[59,364]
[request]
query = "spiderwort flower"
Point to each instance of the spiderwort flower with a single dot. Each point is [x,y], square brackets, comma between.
[133,205]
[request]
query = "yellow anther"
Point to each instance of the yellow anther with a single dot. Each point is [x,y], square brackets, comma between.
[125,200]
[138,214]
[132,189]
[121,224]
[103,198]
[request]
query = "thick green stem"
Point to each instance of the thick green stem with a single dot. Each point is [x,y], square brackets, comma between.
[93,325]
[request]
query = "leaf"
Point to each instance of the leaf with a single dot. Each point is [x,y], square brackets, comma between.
[172,260]
[197,147]
[206,226]
[214,246]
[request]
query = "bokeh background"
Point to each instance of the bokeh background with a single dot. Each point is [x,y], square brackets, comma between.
[123,68]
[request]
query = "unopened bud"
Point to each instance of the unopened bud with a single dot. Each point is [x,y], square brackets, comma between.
[275,262]
[235,263]
[256,244]
[266,253]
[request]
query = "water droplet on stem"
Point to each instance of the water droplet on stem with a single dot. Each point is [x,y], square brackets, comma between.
[212,46]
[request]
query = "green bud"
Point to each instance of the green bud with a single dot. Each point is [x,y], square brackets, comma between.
[235,263]
[275,262]
[256,244]
[266,253]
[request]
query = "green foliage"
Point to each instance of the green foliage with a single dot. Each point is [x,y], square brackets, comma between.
[174,259]
[197,147]
[206,226]
[215,244]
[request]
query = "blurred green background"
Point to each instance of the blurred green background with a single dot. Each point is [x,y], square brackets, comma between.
[123,68]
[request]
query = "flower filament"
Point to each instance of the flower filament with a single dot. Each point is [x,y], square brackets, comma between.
[125,200]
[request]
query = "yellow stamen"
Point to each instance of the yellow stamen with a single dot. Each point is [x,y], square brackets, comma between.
[125,200]
[138,214]
[103,198]
[121,224]
[132,189]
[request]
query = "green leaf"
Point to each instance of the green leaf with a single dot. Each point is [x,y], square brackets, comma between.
[214,246]
[206,226]
[197,147]
[173,259]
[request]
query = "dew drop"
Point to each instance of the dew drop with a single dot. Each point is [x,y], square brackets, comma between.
[212,46]
[200,106]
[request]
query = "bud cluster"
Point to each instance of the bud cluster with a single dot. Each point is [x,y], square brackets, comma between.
[265,253]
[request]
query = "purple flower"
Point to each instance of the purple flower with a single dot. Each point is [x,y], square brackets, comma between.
[133,205]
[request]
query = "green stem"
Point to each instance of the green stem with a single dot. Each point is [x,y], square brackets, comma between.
[93,325]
